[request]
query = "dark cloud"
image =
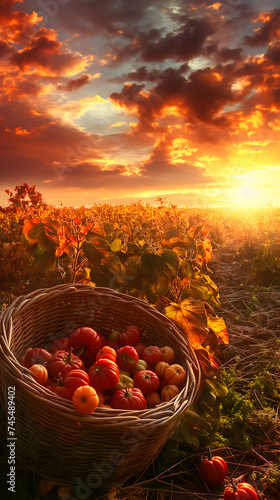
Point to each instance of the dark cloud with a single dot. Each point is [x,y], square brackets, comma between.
[268,32]
[145,74]
[75,84]
[276,96]
[32,142]
[273,53]
[5,49]
[156,172]
[89,175]
[26,86]
[129,96]
[102,17]
[201,96]
[183,44]
[159,164]
[44,52]
[6,8]
[226,54]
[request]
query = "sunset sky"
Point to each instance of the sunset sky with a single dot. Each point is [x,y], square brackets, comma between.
[113,101]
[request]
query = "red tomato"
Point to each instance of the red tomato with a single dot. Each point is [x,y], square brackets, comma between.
[241,491]
[60,344]
[36,356]
[71,382]
[51,384]
[106,352]
[140,347]
[152,354]
[104,375]
[146,380]
[131,336]
[129,399]
[85,342]
[213,470]
[127,357]
[63,362]
[113,343]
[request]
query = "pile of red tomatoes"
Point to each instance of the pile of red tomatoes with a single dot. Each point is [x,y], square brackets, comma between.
[118,371]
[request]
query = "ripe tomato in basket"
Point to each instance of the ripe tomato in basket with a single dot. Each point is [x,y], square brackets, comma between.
[63,362]
[36,356]
[127,357]
[160,368]
[40,373]
[106,352]
[85,342]
[169,392]
[153,399]
[85,399]
[104,375]
[140,347]
[71,382]
[60,344]
[175,375]
[167,354]
[129,398]
[130,336]
[152,354]
[146,380]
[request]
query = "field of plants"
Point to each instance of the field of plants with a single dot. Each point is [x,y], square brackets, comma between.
[216,274]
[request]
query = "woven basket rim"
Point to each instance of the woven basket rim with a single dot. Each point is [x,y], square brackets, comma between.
[151,416]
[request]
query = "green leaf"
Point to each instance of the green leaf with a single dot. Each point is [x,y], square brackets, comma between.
[113,263]
[168,263]
[180,252]
[93,255]
[190,315]
[149,261]
[100,244]
[36,231]
[203,288]
[186,269]
[189,243]
[46,260]
[185,431]
[116,245]
[99,278]
[133,247]
[218,386]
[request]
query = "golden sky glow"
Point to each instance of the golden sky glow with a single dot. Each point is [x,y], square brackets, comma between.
[119,103]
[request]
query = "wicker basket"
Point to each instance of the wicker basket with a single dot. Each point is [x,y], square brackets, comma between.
[53,440]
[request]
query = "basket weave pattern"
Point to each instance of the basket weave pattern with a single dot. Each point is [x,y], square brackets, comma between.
[55,441]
